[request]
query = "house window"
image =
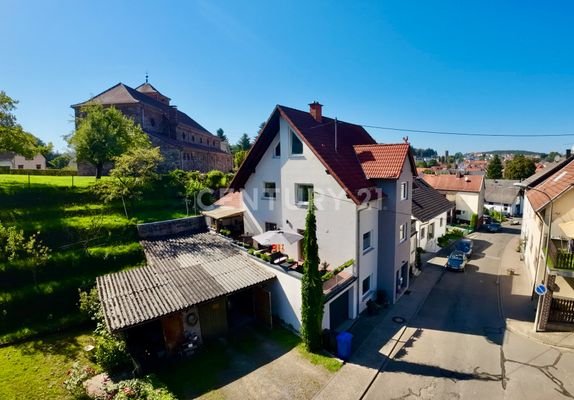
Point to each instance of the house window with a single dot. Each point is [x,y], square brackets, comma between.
[38,166]
[200,140]
[366,241]
[192,138]
[440,222]
[366,285]
[296,145]
[277,151]
[269,190]
[404,191]
[183,135]
[431,231]
[152,122]
[303,192]
[270,226]
[423,231]
[403,232]
[20,167]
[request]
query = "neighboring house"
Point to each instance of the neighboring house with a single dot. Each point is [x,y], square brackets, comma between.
[431,213]
[362,193]
[504,196]
[16,161]
[184,143]
[546,239]
[466,191]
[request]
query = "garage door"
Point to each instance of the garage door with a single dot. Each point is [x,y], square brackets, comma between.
[339,310]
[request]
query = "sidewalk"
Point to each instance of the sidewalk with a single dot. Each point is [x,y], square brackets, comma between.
[382,336]
[517,307]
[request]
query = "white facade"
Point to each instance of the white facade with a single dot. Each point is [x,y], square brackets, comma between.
[515,208]
[429,232]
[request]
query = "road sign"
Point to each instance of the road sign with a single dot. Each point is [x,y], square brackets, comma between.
[540,290]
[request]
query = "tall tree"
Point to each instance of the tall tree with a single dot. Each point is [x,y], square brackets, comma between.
[238,158]
[311,284]
[221,135]
[244,142]
[494,169]
[105,133]
[519,167]
[12,136]
[133,171]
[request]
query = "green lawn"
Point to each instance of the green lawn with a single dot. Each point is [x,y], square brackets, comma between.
[37,369]
[87,239]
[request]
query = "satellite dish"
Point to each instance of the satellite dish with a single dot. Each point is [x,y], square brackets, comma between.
[557,158]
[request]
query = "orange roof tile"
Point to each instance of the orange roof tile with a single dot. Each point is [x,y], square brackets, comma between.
[455,183]
[382,161]
[556,184]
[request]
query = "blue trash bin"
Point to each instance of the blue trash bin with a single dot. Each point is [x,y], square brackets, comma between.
[344,340]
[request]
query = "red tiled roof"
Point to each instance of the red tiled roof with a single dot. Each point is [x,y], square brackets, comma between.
[456,183]
[383,161]
[231,199]
[341,163]
[556,184]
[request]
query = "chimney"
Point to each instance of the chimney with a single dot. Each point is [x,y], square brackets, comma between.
[316,111]
[568,153]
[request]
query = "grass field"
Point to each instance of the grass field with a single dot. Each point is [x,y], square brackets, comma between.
[37,369]
[87,239]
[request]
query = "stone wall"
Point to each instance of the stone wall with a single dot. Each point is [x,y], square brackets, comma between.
[172,227]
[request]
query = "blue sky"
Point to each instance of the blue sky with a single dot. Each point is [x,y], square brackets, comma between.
[483,67]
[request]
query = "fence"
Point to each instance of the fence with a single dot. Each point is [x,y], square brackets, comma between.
[561,310]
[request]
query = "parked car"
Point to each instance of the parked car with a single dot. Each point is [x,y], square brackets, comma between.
[456,261]
[464,245]
[494,227]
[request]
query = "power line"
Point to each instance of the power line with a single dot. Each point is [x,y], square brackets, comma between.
[388,128]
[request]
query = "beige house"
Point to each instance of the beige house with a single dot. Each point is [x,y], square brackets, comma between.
[547,239]
[466,191]
[16,161]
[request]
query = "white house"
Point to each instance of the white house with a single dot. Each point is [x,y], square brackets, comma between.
[466,191]
[504,196]
[16,161]
[430,213]
[358,187]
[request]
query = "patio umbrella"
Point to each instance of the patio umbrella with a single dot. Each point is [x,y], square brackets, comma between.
[568,228]
[277,237]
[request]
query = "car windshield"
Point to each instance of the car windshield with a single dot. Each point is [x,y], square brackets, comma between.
[456,257]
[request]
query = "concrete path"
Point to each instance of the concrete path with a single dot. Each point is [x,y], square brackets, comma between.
[388,335]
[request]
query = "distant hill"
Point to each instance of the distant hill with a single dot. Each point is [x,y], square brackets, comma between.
[525,152]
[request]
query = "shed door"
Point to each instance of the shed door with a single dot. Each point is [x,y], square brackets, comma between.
[262,305]
[339,310]
[213,318]
[172,331]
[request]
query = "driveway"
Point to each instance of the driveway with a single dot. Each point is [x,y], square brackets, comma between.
[460,348]
[254,363]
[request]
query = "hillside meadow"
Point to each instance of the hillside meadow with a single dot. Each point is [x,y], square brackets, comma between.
[87,238]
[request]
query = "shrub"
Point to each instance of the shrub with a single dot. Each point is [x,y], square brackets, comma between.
[147,388]
[473,221]
[225,232]
[77,375]
[265,257]
[251,251]
[111,353]
[457,233]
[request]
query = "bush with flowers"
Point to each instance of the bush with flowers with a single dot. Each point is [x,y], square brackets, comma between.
[77,375]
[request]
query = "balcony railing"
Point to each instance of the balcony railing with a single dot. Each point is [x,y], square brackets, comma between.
[560,258]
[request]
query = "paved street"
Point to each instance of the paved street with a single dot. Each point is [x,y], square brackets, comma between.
[458,347]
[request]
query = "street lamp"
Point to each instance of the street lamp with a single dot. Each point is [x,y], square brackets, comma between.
[526,187]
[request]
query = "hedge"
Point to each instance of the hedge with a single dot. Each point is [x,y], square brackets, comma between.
[52,172]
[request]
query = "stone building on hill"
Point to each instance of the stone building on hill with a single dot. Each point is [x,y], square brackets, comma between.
[184,143]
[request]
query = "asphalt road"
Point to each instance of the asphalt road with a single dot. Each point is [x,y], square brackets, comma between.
[461,350]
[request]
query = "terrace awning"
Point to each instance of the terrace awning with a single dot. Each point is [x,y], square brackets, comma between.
[223,212]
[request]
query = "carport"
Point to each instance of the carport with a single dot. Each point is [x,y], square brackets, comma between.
[194,284]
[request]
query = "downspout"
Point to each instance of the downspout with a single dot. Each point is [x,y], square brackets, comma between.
[357,257]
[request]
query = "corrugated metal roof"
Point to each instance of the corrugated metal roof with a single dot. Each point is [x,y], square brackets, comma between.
[501,191]
[182,271]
